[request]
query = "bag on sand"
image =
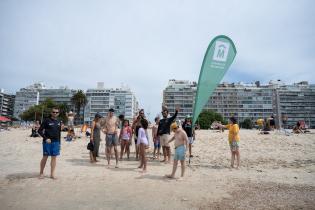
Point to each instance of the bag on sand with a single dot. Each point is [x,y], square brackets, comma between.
[90,146]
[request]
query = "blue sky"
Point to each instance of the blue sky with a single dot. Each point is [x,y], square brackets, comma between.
[143,44]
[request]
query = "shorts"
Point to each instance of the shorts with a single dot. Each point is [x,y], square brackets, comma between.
[70,123]
[51,149]
[190,140]
[180,152]
[111,140]
[164,140]
[157,143]
[234,145]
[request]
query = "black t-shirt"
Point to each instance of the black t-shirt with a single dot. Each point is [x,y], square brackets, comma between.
[165,124]
[188,129]
[50,129]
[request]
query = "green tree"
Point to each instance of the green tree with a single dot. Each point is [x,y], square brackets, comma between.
[206,118]
[79,100]
[43,110]
[247,124]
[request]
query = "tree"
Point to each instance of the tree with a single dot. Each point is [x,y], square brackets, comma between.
[79,100]
[206,118]
[43,110]
[247,124]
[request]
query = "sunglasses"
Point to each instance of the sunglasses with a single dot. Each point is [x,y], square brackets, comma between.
[55,112]
[141,113]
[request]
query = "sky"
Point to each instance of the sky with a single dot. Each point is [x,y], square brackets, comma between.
[143,44]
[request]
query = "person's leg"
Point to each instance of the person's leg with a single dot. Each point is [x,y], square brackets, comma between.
[238,158]
[182,164]
[122,148]
[116,155]
[107,152]
[154,152]
[144,158]
[158,152]
[168,150]
[53,166]
[190,150]
[174,169]
[128,149]
[140,156]
[92,157]
[42,166]
[232,158]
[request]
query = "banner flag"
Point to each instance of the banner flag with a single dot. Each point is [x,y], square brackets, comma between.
[217,60]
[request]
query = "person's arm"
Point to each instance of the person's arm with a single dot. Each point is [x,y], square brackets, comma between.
[173,117]
[92,130]
[172,139]
[41,130]
[185,140]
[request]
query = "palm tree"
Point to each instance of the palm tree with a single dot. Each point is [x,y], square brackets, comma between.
[79,100]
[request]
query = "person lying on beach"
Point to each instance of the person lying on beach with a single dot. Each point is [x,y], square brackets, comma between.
[181,143]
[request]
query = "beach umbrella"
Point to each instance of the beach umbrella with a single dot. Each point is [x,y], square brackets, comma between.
[4,119]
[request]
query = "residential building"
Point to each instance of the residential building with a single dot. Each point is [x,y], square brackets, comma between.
[6,104]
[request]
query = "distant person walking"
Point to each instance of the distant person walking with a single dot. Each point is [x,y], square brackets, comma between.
[164,133]
[96,136]
[70,117]
[111,129]
[50,130]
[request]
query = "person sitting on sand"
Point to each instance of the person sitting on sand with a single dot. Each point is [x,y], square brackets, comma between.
[234,140]
[143,144]
[181,141]
[35,129]
[297,128]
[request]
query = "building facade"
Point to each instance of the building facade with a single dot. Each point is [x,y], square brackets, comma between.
[24,99]
[248,101]
[60,96]
[100,100]
[6,104]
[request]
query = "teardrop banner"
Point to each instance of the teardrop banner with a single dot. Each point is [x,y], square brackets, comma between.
[218,58]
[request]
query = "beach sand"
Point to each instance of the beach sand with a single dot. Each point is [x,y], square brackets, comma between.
[277,172]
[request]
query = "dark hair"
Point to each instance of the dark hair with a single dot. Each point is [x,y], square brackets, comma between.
[141,110]
[121,117]
[144,123]
[97,115]
[55,107]
[233,120]
[111,110]
[156,119]
[126,121]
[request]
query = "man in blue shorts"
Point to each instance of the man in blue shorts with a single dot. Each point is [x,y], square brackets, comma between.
[180,143]
[50,130]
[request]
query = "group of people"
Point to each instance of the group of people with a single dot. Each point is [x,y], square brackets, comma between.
[183,138]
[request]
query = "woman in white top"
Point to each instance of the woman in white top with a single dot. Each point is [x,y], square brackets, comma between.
[143,142]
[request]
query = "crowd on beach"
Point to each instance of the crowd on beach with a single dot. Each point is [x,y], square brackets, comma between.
[119,131]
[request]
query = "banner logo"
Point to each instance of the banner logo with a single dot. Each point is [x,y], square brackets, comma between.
[221,51]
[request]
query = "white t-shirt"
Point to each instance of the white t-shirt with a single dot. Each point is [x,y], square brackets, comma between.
[142,137]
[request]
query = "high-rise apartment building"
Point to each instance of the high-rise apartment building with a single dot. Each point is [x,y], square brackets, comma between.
[122,100]
[6,104]
[60,96]
[293,102]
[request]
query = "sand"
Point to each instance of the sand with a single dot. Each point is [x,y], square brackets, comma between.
[277,172]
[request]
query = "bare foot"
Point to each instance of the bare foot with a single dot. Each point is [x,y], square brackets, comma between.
[116,166]
[41,176]
[169,176]
[140,166]
[163,161]
[53,177]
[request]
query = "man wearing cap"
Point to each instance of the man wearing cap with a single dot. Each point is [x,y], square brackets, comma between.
[181,140]
[110,129]
[164,133]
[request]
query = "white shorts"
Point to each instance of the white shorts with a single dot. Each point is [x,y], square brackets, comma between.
[164,140]
[190,140]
